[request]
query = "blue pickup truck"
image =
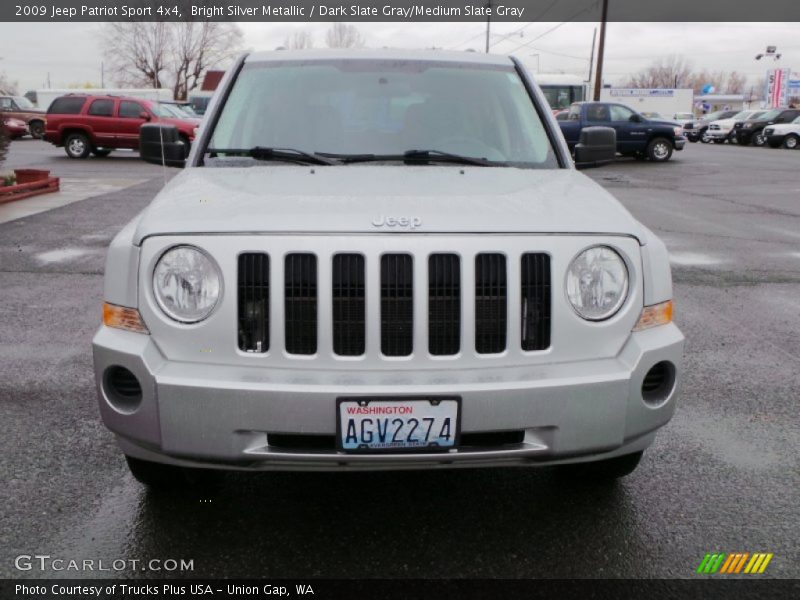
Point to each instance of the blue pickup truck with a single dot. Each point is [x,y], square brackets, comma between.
[637,135]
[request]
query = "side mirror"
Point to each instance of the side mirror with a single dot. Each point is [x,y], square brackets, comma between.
[597,146]
[161,144]
[636,118]
[144,115]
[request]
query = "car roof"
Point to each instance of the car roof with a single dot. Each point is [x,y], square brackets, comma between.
[381,54]
[105,97]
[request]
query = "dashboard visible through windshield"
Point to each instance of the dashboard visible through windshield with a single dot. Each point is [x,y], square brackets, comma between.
[385,108]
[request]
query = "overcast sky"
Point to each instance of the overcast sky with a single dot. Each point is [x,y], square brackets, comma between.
[71,53]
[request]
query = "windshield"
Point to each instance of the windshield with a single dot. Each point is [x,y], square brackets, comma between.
[684,116]
[715,116]
[561,96]
[385,108]
[796,121]
[23,102]
[169,110]
[742,115]
[755,115]
[770,114]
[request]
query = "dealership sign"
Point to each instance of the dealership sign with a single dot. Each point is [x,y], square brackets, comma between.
[781,86]
[648,92]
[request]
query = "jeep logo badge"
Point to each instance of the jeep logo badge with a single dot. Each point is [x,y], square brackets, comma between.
[406,222]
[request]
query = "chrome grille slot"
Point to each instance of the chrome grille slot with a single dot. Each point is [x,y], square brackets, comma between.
[490,303]
[300,292]
[535,308]
[397,304]
[444,304]
[253,300]
[349,304]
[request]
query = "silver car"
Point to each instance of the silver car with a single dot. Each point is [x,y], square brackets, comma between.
[382,260]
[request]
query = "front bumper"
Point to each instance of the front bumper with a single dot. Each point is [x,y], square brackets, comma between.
[221,416]
[718,134]
[680,142]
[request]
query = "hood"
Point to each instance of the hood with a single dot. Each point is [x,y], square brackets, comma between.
[671,122]
[723,122]
[383,199]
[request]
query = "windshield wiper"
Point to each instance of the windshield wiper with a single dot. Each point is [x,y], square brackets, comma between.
[280,154]
[414,156]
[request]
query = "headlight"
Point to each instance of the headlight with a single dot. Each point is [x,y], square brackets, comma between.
[597,283]
[186,284]
[677,130]
[748,125]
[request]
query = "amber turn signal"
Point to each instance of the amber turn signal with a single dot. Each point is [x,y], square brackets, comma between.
[121,317]
[652,316]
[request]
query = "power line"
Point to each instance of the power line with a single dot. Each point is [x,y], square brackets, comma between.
[524,27]
[552,29]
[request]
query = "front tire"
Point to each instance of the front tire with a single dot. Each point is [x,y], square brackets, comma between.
[759,139]
[602,471]
[169,477]
[77,145]
[659,149]
[791,141]
[37,129]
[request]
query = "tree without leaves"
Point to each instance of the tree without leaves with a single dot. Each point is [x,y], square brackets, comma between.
[173,55]
[6,86]
[670,72]
[341,35]
[299,40]
[676,72]
[199,47]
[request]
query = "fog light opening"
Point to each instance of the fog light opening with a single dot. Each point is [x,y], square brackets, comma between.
[122,389]
[658,383]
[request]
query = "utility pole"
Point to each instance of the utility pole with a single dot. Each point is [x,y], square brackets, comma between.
[598,79]
[102,75]
[591,58]
[488,23]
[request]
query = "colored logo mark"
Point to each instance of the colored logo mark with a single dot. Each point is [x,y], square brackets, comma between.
[736,562]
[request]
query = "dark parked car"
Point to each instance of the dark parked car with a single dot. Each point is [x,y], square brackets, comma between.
[19,107]
[636,135]
[752,132]
[694,130]
[97,125]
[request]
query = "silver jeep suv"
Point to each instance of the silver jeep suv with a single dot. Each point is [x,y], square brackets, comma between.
[382,260]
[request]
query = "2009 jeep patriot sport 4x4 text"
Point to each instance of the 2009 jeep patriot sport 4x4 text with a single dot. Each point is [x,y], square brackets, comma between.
[383,259]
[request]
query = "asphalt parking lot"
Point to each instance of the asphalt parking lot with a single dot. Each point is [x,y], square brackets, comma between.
[721,477]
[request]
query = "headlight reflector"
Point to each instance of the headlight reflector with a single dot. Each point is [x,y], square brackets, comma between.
[186,284]
[597,283]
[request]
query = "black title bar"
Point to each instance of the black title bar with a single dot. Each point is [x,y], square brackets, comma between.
[522,11]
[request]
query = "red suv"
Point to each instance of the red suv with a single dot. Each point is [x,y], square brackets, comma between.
[97,125]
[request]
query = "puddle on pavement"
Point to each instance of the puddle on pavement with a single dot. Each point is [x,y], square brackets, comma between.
[63,254]
[693,259]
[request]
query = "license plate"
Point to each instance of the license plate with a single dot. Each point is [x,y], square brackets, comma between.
[397,424]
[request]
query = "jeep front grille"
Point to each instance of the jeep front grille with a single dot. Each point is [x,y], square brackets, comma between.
[335,293]
[397,304]
[253,291]
[490,303]
[535,287]
[444,304]
[300,283]
[349,305]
